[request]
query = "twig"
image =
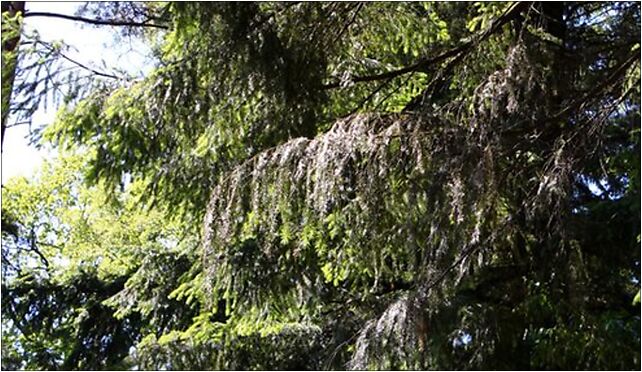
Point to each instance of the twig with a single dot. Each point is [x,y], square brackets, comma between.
[81,65]
[17,124]
[354,17]
[369,97]
[461,259]
[336,350]
[593,93]
[394,91]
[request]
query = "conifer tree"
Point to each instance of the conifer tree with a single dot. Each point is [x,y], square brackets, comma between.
[342,186]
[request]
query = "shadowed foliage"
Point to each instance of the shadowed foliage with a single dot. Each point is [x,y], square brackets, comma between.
[340,185]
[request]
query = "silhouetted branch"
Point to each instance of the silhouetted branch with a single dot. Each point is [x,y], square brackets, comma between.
[97,22]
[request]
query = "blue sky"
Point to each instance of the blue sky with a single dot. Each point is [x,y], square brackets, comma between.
[93,45]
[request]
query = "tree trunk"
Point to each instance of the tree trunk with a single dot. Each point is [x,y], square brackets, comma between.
[9,59]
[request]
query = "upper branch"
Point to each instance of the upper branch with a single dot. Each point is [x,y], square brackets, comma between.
[99,22]
[427,64]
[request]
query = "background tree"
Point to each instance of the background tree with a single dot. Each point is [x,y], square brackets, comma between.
[381,185]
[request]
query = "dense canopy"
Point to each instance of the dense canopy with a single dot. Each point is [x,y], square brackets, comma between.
[331,185]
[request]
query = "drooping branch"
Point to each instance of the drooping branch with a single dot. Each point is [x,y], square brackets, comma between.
[329,187]
[379,194]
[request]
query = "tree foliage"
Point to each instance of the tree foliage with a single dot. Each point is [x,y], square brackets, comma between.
[341,185]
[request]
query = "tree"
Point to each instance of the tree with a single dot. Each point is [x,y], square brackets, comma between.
[10,38]
[380,185]
[70,253]
[38,73]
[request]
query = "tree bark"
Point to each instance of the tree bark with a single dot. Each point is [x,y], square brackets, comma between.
[9,60]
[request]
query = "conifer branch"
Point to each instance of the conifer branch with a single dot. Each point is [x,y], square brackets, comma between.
[606,84]
[427,64]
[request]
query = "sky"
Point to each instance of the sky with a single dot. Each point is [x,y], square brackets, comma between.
[92,44]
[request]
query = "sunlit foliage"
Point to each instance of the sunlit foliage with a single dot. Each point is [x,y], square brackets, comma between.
[341,185]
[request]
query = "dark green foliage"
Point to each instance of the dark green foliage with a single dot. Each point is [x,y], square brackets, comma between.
[148,293]
[379,186]
[47,313]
